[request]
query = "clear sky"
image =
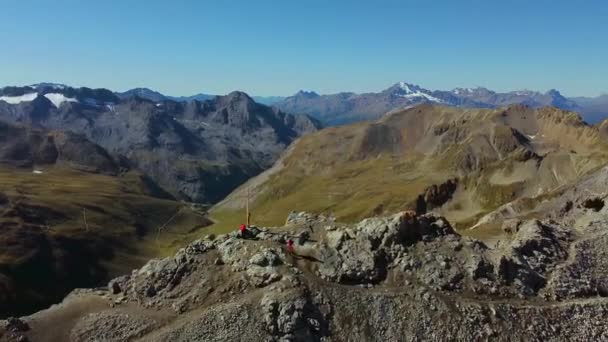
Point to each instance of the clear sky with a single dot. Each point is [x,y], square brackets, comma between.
[279,47]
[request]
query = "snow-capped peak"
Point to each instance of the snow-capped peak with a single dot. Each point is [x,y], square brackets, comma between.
[412,91]
[18,99]
[57,99]
[409,88]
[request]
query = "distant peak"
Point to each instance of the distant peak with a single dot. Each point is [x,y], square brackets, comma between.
[404,88]
[554,93]
[142,90]
[57,86]
[407,88]
[237,94]
[307,94]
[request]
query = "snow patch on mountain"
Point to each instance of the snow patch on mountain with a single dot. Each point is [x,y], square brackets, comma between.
[463,91]
[57,99]
[18,99]
[423,95]
[411,91]
[409,88]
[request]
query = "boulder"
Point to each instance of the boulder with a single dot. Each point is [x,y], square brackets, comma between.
[118,285]
[262,276]
[267,257]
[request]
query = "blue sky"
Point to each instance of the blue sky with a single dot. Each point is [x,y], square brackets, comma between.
[279,47]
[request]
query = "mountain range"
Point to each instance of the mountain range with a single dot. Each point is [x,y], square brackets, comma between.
[197,150]
[153,95]
[94,184]
[346,107]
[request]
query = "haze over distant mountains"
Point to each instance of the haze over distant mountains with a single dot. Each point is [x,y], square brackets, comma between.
[346,107]
[153,95]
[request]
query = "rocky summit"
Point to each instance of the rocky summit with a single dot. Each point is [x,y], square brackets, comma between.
[401,277]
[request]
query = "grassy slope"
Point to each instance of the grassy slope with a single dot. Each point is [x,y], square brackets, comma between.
[354,174]
[43,233]
[350,190]
[114,205]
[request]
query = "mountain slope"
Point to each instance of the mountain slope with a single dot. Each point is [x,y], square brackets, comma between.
[144,93]
[71,216]
[198,151]
[25,147]
[407,159]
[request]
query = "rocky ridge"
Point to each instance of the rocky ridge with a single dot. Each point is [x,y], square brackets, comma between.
[399,277]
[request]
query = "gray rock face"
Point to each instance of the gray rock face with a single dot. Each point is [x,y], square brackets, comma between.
[198,151]
[361,254]
[23,146]
[435,196]
[585,271]
[293,317]
[262,270]
[535,249]
[266,258]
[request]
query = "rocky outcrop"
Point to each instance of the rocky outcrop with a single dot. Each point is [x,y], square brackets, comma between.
[435,196]
[295,316]
[361,254]
[399,277]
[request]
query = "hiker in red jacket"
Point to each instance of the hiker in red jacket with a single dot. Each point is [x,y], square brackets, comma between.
[290,246]
[243,229]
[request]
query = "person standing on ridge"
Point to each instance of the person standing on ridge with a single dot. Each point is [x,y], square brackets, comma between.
[243,230]
[290,246]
